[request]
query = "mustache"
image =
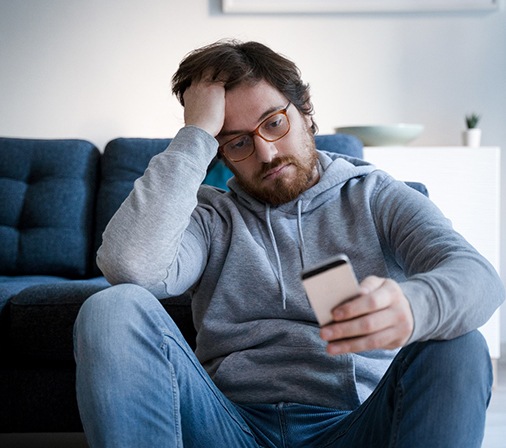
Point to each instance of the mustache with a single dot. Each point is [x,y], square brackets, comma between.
[278,161]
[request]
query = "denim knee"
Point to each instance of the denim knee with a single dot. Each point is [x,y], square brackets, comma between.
[472,359]
[110,314]
[113,300]
[469,352]
[463,361]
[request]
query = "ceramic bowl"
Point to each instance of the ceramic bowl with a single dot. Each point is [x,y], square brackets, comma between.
[384,135]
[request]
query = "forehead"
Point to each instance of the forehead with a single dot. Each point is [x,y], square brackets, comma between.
[247,104]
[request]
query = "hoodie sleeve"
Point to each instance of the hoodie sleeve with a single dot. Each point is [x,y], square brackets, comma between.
[451,288]
[147,236]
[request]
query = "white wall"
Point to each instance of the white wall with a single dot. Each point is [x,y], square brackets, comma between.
[100,69]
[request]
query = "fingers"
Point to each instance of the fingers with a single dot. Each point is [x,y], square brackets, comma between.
[375,295]
[386,339]
[380,317]
[366,324]
[204,106]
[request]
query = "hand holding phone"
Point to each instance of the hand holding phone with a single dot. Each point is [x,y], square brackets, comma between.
[328,285]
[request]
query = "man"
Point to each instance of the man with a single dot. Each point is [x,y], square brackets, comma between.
[264,374]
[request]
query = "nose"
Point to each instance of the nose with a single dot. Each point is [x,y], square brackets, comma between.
[264,151]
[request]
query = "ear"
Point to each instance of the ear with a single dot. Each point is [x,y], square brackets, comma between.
[309,123]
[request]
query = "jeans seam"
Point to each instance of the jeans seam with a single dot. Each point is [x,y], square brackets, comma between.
[208,381]
[397,414]
[175,394]
[282,423]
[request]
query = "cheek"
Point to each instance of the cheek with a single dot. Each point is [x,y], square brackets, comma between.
[300,136]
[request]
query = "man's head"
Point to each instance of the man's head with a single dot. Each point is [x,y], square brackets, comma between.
[235,62]
[267,133]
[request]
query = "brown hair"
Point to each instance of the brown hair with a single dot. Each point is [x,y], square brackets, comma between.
[235,62]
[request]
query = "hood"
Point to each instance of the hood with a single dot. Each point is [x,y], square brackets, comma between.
[335,170]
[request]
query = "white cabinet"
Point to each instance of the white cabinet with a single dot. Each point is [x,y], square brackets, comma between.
[465,184]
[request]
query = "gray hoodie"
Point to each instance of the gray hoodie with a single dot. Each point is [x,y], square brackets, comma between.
[257,334]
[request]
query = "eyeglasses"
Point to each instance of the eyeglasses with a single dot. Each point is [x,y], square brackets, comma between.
[272,129]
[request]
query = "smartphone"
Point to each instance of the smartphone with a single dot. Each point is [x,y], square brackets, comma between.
[329,284]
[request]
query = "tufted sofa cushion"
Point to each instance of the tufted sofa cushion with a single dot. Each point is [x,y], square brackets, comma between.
[47,191]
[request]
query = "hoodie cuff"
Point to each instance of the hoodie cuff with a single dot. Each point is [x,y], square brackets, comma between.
[425,309]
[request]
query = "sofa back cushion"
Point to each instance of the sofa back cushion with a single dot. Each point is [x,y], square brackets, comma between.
[47,200]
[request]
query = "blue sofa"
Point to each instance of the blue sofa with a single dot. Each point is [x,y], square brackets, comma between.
[56,197]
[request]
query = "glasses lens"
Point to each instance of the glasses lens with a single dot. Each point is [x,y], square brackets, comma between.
[274,127]
[239,148]
[271,129]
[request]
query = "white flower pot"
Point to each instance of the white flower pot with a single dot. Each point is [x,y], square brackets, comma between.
[472,137]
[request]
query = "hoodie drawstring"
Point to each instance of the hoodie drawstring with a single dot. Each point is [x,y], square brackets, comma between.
[279,273]
[302,246]
[276,252]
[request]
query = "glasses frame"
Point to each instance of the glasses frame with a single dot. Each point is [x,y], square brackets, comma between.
[257,132]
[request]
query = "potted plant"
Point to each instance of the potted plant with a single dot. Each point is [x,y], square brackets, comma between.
[472,135]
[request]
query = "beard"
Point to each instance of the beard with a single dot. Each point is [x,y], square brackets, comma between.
[284,188]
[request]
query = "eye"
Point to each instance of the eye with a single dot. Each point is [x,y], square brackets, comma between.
[274,122]
[239,143]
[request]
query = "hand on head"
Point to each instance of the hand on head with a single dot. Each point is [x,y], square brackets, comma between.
[204,105]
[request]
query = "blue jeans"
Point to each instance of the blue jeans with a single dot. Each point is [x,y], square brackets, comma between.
[140,385]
